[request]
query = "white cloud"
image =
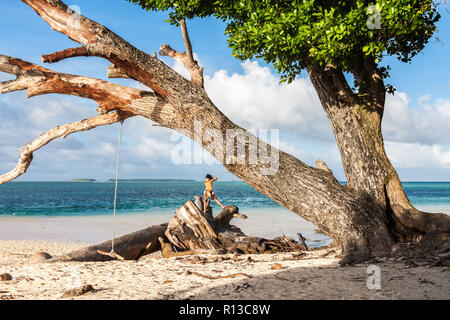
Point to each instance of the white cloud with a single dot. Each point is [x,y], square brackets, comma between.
[415,137]
[257,100]
[427,123]
[418,139]
[415,155]
[424,99]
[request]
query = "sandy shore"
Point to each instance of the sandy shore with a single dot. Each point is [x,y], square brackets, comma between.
[265,223]
[315,275]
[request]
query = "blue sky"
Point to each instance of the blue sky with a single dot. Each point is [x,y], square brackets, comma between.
[416,126]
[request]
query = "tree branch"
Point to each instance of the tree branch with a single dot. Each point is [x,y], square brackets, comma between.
[102,42]
[64,54]
[115,72]
[109,96]
[26,152]
[331,85]
[187,41]
[26,74]
[38,80]
[187,58]
[194,69]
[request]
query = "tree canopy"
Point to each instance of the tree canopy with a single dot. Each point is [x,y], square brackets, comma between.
[292,35]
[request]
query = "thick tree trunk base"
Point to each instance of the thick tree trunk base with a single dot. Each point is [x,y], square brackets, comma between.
[433,250]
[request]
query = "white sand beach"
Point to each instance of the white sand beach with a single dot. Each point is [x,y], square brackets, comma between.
[266,223]
[312,275]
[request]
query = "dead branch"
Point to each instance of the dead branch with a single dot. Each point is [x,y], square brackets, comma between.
[26,74]
[187,41]
[323,166]
[64,54]
[187,58]
[38,80]
[102,42]
[130,246]
[26,152]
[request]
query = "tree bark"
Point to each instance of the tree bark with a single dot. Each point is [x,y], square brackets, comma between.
[356,123]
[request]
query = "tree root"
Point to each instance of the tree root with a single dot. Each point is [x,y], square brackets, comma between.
[433,251]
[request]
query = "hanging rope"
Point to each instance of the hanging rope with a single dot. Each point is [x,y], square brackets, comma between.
[112,253]
[115,188]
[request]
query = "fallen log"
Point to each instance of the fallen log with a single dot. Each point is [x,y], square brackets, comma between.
[129,246]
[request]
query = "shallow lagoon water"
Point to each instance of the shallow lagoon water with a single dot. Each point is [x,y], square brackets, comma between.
[81,212]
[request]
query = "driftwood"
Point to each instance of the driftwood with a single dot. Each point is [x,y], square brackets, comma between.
[129,246]
[191,231]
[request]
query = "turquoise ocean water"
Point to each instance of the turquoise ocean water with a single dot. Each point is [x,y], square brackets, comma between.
[158,199]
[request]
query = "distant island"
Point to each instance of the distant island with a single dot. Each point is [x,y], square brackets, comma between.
[127,180]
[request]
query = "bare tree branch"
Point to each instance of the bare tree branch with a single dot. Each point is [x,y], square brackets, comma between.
[187,41]
[194,70]
[187,58]
[38,80]
[26,74]
[102,42]
[26,152]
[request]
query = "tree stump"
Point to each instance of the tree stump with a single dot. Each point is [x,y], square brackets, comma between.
[189,229]
[192,229]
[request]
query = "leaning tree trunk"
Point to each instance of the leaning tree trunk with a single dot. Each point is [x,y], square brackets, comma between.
[356,124]
[360,217]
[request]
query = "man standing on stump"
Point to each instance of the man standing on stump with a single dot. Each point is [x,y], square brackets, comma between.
[209,192]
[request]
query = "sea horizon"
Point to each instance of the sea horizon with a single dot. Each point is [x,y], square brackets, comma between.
[82,211]
[200,180]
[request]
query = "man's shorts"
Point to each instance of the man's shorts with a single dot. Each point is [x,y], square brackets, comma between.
[209,194]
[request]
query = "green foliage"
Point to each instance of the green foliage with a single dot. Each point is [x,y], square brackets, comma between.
[294,34]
